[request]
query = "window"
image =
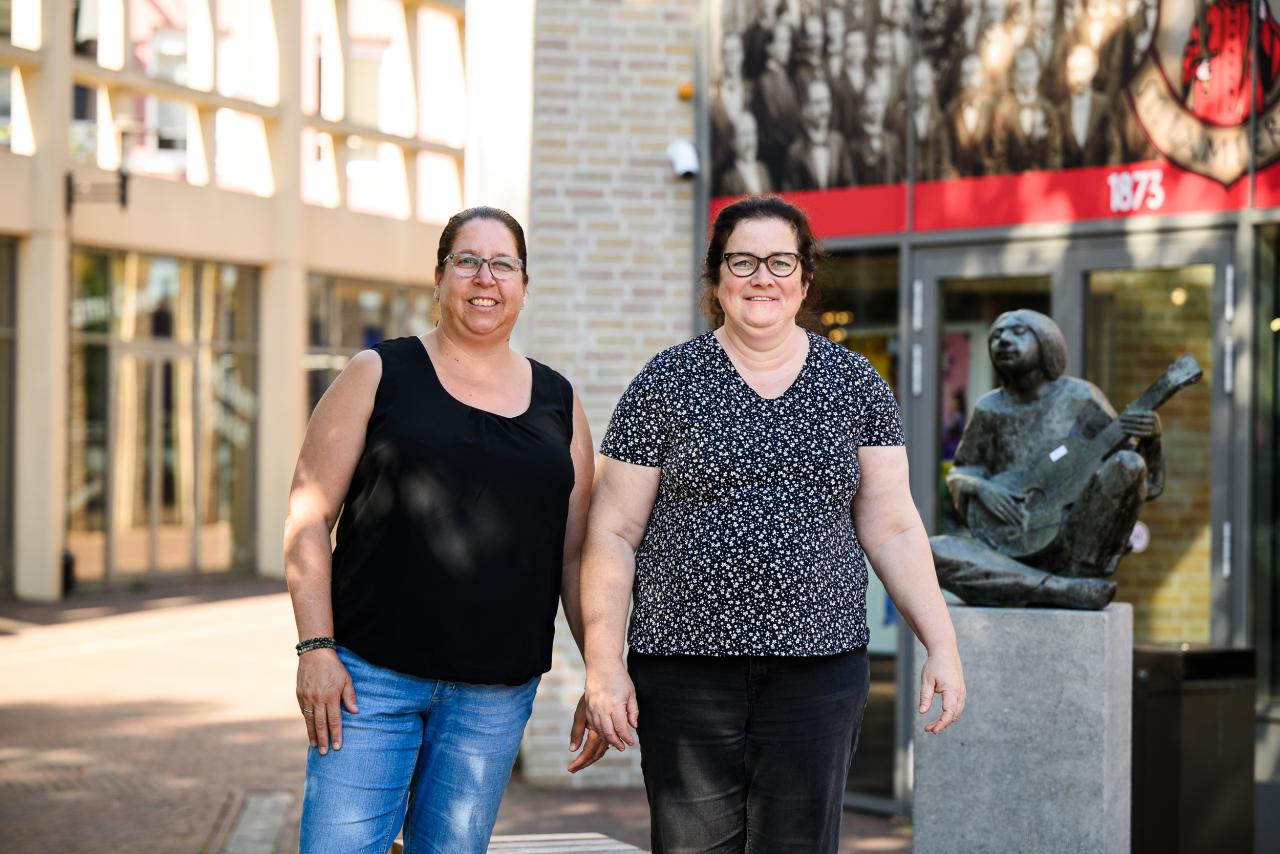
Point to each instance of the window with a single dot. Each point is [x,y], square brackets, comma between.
[347,316]
[399,92]
[163,413]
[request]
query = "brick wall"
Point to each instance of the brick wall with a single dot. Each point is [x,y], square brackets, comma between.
[611,249]
[1138,331]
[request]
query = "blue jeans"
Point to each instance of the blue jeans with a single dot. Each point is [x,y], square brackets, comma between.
[434,755]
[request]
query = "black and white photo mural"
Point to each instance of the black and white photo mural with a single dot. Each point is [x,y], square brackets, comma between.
[1000,102]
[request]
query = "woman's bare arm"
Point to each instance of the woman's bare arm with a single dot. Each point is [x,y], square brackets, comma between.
[330,451]
[897,545]
[620,507]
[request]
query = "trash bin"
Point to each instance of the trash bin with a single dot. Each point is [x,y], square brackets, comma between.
[1193,742]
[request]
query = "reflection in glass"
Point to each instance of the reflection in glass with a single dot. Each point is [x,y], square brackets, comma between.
[1140,321]
[229,404]
[87,461]
[91,289]
[318,379]
[175,495]
[417,316]
[859,310]
[363,316]
[1266,467]
[155,298]
[181,488]
[160,149]
[83,133]
[159,39]
[8,258]
[230,303]
[969,307]
[317,311]
[131,466]
[86,23]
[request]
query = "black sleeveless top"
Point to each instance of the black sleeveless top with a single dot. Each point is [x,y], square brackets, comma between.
[451,541]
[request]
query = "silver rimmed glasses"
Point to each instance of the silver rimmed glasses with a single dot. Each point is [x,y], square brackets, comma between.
[467,265]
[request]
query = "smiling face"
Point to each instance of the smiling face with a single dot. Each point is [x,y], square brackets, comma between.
[1015,350]
[761,302]
[481,304]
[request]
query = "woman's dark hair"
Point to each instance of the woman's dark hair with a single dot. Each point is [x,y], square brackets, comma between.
[761,207]
[458,220]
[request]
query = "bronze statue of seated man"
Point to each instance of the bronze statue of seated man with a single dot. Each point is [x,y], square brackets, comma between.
[1047,479]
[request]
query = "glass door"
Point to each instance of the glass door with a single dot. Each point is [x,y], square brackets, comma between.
[153,490]
[1145,304]
[1127,307]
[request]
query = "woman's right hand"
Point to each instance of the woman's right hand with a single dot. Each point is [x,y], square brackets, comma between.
[611,704]
[323,682]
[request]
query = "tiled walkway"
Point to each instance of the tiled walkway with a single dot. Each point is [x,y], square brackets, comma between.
[165,721]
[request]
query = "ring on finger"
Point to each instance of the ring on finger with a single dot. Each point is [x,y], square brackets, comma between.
[309,712]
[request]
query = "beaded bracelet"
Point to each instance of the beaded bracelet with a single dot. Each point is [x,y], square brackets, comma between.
[315,643]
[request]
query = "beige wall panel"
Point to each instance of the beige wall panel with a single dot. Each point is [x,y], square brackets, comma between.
[168,218]
[369,247]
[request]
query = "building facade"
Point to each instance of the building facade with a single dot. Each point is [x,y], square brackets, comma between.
[1109,164]
[208,206]
[290,165]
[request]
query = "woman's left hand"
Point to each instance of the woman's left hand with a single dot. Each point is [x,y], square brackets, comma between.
[942,674]
[593,747]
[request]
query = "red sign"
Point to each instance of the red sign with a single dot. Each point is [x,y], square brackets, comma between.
[1154,187]
[877,209]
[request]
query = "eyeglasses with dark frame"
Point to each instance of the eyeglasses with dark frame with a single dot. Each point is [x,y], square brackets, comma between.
[743,264]
[467,265]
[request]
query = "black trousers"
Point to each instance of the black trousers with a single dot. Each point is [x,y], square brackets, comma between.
[747,754]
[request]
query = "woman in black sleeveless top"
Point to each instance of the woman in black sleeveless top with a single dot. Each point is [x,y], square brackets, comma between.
[462,472]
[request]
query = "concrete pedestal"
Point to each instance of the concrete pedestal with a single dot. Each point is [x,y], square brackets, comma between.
[1040,761]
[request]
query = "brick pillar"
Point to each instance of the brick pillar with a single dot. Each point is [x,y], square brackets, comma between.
[611,249]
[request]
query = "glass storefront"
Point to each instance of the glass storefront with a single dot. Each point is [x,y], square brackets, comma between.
[163,413]
[7,290]
[346,316]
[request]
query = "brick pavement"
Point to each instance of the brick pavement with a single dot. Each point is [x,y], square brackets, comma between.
[141,722]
